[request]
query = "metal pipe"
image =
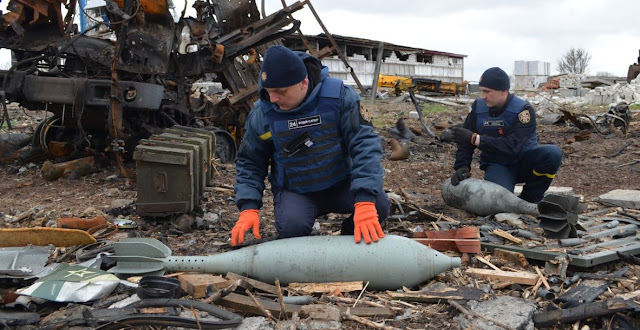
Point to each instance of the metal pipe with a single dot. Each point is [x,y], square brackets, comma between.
[545,294]
[570,281]
[572,241]
[610,231]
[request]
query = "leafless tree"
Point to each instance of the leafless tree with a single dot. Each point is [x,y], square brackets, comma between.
[575,60]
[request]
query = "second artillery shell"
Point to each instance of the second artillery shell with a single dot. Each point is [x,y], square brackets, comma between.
[482,197]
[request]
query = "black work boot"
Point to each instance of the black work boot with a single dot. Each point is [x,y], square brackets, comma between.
[347,226]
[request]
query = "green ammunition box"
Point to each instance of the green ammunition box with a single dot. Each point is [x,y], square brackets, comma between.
[156,140]
[165,180]
[201,143]
[202,133]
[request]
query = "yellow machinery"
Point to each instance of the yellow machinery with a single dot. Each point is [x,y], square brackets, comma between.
[401,84]
[396,82]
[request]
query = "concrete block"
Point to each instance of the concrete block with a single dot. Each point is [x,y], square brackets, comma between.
[309,325]
[596,100]
[569,92]
[516,313]
[628,95]
[621,197]
[320,325]
[255,323]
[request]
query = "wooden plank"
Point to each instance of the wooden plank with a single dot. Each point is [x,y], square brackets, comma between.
[309,288]
[487,262]
[196,284]
[526,278]
[245,304]
[321,312]
[507,236]
[254,283]
[381,312]
[376,73]
[438,295]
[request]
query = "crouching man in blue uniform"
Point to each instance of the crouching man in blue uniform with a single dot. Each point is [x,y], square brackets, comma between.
[323,153]
[503,127]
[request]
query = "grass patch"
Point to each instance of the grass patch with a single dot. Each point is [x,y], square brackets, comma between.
[378,122]
[634,107]
[4,124]
[431,107]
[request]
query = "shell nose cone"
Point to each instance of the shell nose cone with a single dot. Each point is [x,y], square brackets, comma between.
[443,263]
[456,262]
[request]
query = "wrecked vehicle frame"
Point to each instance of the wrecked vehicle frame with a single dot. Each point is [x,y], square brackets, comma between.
[136,71]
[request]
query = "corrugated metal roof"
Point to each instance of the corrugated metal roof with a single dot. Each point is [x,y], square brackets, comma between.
[375,43]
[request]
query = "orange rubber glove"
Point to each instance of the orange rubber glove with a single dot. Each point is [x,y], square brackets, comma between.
[248,220]
[365,223]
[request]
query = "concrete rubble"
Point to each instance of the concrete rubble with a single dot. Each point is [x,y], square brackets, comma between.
[545,100]
[516,313]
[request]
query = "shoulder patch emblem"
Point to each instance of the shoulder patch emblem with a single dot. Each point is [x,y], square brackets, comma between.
[524,116]
[365,114]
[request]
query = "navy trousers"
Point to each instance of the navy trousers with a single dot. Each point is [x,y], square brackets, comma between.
[536,170]
[296,213]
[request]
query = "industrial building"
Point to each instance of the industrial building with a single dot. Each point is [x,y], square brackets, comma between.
[361,55]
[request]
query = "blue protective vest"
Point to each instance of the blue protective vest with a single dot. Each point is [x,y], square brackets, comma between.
[499,127]
[322,162]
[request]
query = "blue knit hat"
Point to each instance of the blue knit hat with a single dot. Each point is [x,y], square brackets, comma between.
[281,67]
[496,79]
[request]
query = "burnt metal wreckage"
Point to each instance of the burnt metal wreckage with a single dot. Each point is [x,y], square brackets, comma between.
[136,71]
[618,116]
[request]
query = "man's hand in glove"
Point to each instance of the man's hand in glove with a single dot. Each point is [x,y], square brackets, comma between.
[248,220]
[365,223]
[462,135]
[460,174]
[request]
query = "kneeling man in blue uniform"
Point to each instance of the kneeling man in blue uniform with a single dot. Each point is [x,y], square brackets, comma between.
[503,127]
[317,146]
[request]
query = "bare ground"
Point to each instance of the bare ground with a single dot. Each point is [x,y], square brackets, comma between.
[592,167]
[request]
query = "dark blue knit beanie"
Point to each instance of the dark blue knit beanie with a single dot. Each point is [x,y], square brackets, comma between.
[281,67]
[496,79]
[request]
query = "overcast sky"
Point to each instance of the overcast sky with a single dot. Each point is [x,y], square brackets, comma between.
[490,32]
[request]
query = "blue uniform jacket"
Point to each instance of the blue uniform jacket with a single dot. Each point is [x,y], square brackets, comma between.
[257,150]
[514,140]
